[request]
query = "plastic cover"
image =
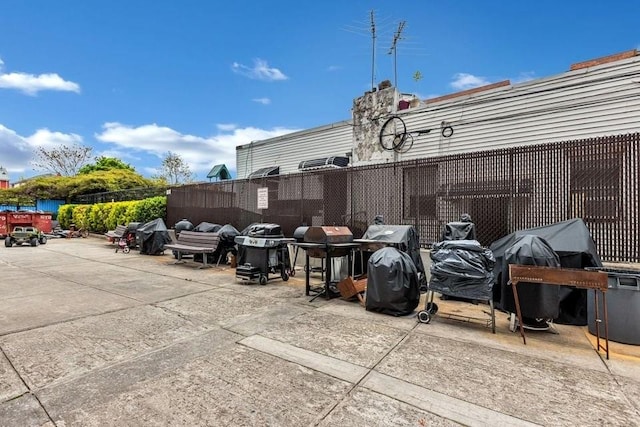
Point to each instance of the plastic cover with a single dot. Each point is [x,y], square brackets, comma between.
[536,300]
[183,225]
[152,237]
[403,237]
[462,268]
[459,231]
[207,227]
[575,247]
[260,230]
[392,285]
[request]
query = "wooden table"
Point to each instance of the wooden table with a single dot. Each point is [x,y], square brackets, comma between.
[583,279]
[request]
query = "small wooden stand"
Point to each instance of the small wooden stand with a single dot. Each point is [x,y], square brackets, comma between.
[349,288]
[583,279]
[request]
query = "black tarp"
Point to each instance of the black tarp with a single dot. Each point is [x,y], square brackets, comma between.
[264,230]
[459,230]
[403,237]
[462,269]
[183,225]
[227,234]
[392,285]
[575,247]
[152,236]
[536,300]
[207,227]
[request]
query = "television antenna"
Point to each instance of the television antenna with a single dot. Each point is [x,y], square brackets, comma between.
[394,50]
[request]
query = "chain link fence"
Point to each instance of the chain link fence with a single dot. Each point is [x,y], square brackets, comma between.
[503,191]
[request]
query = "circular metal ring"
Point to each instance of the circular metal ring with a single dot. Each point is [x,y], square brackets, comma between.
[447,131]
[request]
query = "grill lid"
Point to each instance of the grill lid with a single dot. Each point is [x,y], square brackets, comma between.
[328,234]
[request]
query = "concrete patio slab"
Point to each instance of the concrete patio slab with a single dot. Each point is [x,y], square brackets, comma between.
[48,355]
[545,391]
[11,386]
[56,307]
[356,341]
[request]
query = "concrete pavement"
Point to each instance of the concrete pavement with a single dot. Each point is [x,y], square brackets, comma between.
[93,337]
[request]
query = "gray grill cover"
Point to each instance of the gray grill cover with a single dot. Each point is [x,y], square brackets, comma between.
[392,285]
[462,268]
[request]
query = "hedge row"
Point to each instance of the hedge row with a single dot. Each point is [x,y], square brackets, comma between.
[101,217]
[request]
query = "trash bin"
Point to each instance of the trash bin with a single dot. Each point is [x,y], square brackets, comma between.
[623,305]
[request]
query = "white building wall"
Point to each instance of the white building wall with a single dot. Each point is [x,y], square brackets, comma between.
[585,103]
[289,150]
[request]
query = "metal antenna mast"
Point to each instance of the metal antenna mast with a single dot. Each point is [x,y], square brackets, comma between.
[394,50]
[373,49]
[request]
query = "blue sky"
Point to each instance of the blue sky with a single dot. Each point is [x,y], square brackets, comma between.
[136,79]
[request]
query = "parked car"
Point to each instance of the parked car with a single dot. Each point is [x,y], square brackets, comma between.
[26,234]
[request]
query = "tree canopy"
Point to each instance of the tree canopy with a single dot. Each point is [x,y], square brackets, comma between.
[66,187]
[174,170]
[105,164]
[65,160]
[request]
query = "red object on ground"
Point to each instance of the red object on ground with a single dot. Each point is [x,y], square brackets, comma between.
[40,220]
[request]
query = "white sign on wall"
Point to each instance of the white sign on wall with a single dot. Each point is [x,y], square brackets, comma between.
[263,198]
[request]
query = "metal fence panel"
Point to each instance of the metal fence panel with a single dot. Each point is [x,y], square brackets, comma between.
[503,190]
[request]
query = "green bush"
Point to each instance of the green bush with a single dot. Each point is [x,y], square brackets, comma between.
[101,217]
[65,215]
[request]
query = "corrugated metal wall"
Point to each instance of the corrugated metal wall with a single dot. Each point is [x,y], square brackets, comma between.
[579,104]
[289,150]
[504,190]
[585,103]
[41,205]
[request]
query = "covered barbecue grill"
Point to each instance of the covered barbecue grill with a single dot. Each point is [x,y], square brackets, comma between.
[326,242]
[402,237]
[263,250]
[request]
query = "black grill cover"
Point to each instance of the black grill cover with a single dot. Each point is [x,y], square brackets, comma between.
[227,234]
[462,268]
[133,226]
[152,237]
[392,285]
[265,230]
[403,237]
[299,232]
[459,231]
[207,227]
[536,300]
[182,225]
[572,242]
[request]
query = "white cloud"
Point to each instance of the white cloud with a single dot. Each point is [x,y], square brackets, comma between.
[334,68]
[226,127]
[18,150]
[48,139]
[31,84]
[463,81]
[201,153]
[524,76]
[263,101]
[259,71]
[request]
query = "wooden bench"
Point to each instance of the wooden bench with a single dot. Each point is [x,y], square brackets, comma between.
[114,235]
[194,242]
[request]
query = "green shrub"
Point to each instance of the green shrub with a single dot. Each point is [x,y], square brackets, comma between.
[101,217]
[65,215]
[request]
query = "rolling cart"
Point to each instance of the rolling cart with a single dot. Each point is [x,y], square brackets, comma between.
[263,251]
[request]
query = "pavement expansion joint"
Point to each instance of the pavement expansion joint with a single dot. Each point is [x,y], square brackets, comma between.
[437,403]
